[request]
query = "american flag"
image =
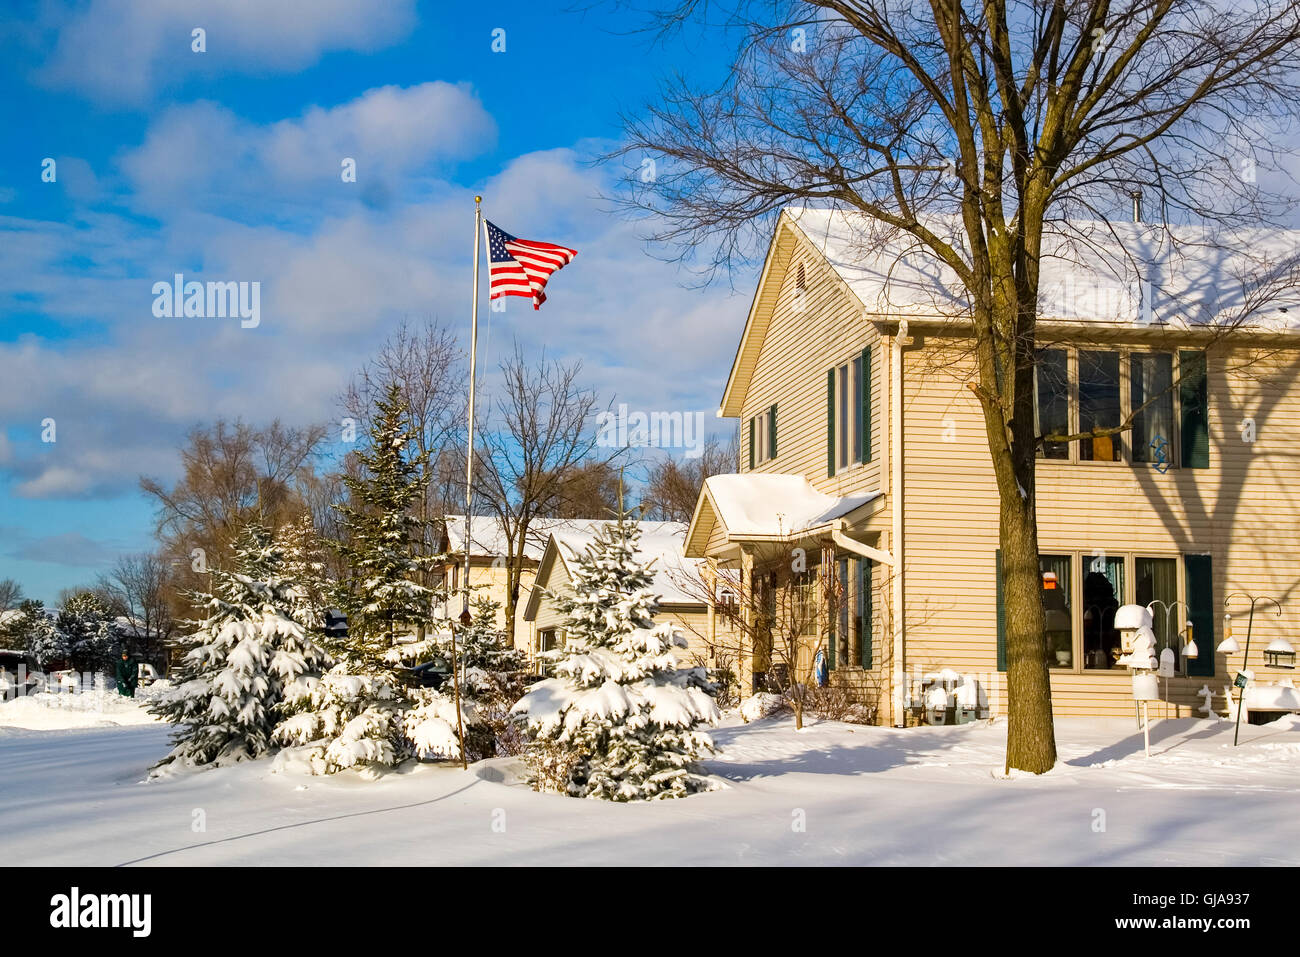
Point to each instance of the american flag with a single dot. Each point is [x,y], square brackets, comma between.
[520,267]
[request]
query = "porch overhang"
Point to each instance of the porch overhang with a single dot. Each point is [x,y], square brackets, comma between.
[771,508]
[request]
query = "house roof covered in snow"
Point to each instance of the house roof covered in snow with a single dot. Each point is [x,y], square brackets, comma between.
[488,534]
[766,506]
[1124,276]
[660,546]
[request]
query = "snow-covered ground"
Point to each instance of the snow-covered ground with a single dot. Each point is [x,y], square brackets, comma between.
[833,793]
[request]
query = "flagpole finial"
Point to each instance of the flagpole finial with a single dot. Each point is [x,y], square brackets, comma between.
[478,199]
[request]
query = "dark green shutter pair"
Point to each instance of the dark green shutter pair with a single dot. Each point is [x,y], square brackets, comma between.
[864,396]
[1193,400]
[1200,613]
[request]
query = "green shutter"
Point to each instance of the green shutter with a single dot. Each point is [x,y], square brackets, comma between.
[751,445]
[771,433]
[1193,398]
[864,395]
[865,610]
[1200,613]
[1002,613]
[830,423]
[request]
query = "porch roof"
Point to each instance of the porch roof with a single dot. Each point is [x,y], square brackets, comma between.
[765,506]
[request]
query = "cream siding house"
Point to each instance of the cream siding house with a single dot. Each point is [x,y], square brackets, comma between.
[681,583]
[864,458]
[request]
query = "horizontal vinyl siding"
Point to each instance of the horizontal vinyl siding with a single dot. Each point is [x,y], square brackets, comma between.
[1244,511]
[800,345]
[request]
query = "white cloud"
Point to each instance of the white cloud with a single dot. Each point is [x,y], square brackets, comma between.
[203,156]
[123,52]
[332,290]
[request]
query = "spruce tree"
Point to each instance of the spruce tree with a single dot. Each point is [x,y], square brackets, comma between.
[361,714]
[90,632]
[382,596]
[243,655]
[619,721]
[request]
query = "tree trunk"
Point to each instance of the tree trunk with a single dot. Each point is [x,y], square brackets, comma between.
[1031,740]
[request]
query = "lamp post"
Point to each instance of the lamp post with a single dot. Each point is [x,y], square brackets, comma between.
[1229,645]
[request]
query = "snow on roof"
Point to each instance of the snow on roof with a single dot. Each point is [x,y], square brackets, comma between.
[1091,271]
[489,534]
[660,543]
[774,505]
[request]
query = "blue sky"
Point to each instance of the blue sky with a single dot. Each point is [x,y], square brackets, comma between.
[225,165]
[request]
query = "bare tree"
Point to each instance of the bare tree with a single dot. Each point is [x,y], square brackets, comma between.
[673,486]
[541,433]
[230,474]
[141,586]
[972,133]
[11,594]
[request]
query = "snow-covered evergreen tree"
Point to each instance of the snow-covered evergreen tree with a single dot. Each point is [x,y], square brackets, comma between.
[304,565]
[90,632]
[245,654]
[361,714]
[382,595]
[33,630]
[619,721]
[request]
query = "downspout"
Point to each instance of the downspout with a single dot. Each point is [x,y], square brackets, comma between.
[900,339]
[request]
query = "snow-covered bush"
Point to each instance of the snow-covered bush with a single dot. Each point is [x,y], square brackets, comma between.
[619,721]
[241,657]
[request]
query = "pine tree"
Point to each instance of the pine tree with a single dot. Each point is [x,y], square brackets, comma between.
[90,632]
[382,597]
[360,714]
[33,631]
[304,565]
[619,721]
[242,657]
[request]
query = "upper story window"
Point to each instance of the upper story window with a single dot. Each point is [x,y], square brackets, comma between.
[800,279]
[848,413]
[1160,403]
[1099,405]
[762,437]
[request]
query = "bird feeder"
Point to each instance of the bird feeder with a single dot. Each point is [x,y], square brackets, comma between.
[1280,654]
[1128,619]
[1229,644]
[1190,650]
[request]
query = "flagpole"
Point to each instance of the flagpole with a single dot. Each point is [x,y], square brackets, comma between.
[465,617]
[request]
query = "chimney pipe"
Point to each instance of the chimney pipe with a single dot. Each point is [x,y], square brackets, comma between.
[1136,196]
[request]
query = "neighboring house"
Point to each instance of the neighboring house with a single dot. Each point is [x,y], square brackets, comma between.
[680,582]
[487,561]
[864,455]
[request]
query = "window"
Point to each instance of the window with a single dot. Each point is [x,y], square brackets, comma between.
[800,282]
[1052,401]
[762,437]
[1057,609]
[1103,593]
[1099,405]
[1156,580]
[848,413]
[1151,396]
[863,608]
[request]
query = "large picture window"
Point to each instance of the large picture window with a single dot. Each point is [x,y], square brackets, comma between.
[1099,405]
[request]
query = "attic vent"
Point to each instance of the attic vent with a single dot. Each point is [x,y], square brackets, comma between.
[799,282]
